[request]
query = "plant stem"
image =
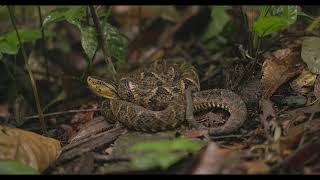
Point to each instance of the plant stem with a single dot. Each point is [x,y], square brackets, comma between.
[315,24]
[43,43]
[33,84]
[101,41]
[246,24]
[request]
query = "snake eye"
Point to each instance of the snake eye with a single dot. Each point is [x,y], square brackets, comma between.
[102,88]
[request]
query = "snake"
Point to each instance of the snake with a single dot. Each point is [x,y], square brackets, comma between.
[152,98]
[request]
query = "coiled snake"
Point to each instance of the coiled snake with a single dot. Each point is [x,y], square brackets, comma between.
[152,99]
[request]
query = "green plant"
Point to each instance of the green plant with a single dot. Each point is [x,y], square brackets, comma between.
[10,43]
[113,43]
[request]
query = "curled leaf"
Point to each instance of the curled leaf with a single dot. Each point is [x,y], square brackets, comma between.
[278,68]
[28,148]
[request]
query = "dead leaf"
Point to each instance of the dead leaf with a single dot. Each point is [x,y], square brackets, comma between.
[267,110]
[195,133]
[310,53]
[316,90]
[108,151]
[27,147]
[278,68]
[303,82]
[211,160]
[293,137]
[256,167]
[268,114]
[304,154]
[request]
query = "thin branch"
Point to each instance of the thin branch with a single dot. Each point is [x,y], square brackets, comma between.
[101,40]
[33,84]
[62,113]
[43,43]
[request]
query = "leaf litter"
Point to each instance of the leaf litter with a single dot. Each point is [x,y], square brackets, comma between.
[281,134]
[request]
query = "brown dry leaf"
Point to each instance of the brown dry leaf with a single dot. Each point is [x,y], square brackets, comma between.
[268,115]
[267,110]
[316,90]
[211,160]
[256,167]
[302,155]
[27,147]
[195,133]
[295,133]
[303,81]
[278,68]
[293,137]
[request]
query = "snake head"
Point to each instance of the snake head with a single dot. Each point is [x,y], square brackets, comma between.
[101,88]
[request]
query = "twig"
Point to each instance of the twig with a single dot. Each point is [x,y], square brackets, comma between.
[62,112]
[43,43]
[101,40]
[305,128]
[34,87]
[107,158]
[226,136]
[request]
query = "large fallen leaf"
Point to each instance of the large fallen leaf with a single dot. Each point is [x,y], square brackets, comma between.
[210,160]
[295,133]
[278,68]
[215,160]
[303,82]
[300,157]
[310,53]
[28,148]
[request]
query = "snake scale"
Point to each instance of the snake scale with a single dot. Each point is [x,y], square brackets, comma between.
[152,98]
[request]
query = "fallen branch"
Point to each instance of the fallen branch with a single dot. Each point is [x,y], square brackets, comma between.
[62,113]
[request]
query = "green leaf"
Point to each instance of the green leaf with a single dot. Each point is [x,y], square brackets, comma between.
[268,25]
[89,41]
[167,145]
[15,167]
[289,13]
[9,43]
[219,18]
[116,43]
[7,47]
[55,15]
[162,153]
[73,15]
[162,160]
[310,53]
[274,18]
